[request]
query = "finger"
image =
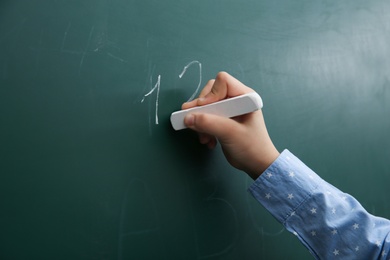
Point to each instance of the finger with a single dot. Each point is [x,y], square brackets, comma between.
[208,140]
[204,92]
[224,86]
[207,88]
[212,143]
[204,138]
[220,127]
[190,104]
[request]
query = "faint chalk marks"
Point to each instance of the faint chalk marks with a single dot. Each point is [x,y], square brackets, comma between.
[215,222]
[63,43]
[82,53]
[228,209]
[138,218]
[116,57]
[200,76]
[86,49]
[72,52]
[103,43]
[79,42]
[272,234]
[65,36]
[39,49]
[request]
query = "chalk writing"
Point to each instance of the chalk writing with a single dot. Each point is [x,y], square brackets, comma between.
[156,86]
[200,76]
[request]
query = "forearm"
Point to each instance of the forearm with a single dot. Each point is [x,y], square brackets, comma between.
[328,222]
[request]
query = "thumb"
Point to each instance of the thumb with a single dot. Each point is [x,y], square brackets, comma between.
[220,127]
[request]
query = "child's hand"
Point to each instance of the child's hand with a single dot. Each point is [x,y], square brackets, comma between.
[244,139]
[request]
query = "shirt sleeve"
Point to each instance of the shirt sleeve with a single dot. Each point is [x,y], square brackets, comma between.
[330,223]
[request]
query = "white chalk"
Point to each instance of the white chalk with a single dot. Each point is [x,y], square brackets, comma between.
[230,107]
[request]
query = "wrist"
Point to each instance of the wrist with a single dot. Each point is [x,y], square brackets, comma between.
[263,162]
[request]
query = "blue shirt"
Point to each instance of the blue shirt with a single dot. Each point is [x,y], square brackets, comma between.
[329,222]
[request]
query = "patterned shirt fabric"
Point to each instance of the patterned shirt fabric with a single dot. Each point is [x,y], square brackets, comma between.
[329,222]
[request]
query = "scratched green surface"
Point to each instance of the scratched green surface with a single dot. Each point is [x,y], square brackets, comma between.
[85,171]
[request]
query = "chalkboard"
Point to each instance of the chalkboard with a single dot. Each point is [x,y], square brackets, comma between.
[90,167]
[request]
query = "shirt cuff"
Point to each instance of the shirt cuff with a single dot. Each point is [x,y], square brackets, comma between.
[284,186]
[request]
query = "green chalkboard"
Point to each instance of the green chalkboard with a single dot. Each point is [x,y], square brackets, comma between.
[89,165]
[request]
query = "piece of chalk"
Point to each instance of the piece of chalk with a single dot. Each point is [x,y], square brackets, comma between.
[230,107]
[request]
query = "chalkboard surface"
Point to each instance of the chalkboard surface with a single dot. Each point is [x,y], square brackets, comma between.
[90,167]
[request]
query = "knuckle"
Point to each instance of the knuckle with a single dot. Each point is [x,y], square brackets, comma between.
[222,76]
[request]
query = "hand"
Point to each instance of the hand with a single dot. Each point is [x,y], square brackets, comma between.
[244,139]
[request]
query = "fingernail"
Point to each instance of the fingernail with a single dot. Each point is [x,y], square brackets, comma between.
[189,120]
